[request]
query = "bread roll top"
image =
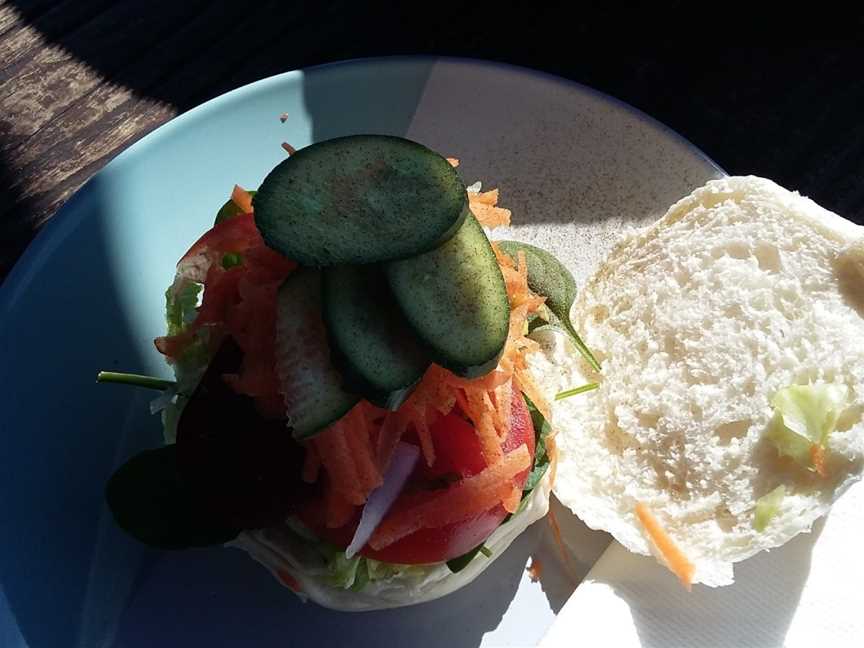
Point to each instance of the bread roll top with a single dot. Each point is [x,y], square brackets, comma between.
[740,291]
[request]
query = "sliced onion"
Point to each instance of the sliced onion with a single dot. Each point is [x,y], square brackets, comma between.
[401,466]
[476,187]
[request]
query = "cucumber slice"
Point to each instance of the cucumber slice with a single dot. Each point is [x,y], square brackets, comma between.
[455,300]
[372,342]
[360,199]
[310,384]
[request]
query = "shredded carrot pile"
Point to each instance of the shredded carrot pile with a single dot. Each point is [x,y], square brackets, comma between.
[485,209]
[459,502]
[348,454]
[671,553]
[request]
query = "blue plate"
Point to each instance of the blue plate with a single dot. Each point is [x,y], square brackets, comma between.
[575,167]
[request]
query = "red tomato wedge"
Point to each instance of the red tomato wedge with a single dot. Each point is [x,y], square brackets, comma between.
[458,454]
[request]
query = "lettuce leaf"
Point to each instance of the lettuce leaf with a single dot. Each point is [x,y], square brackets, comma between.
[181,302]
[804,417]
[767,507]
[181,307]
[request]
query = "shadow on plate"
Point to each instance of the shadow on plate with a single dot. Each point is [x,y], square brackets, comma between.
[561,569]
[65,571]
[219,597]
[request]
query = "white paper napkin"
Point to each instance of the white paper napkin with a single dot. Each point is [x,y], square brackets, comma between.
[807,593]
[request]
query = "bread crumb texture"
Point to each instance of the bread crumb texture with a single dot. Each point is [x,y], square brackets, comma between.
[741,289]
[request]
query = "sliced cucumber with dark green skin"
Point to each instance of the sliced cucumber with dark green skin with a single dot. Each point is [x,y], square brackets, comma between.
[371,342]
[310,384]
[455,300]
[360,199]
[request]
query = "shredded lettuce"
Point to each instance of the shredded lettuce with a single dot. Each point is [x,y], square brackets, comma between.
[355,573]
[180,305]
[336,570]
[804,417]
[342,571]
[767,507]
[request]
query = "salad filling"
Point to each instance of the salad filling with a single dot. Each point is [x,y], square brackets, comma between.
[462,426]
[249,335]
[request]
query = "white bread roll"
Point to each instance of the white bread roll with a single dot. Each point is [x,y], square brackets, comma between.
[742,289]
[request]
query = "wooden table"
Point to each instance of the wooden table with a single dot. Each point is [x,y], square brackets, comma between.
[80,80]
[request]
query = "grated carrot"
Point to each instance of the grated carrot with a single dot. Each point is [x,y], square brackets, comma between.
[460,501]
[490,216]
[527,386]
[817,456]
[389,435]
[498,424]
[241,198]
[476,410]
[485,197]
[421,427]
[356,434]
[672,555]
[512,499]
[290,150]
[336,458]
[453,162]
[311,465]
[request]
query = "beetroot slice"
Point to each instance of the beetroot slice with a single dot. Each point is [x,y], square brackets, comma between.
[240,466]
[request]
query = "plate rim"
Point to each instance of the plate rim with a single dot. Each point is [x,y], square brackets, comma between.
[45,235]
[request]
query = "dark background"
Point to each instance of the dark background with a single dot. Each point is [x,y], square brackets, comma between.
[774,90]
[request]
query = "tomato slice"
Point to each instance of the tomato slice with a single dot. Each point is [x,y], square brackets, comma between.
[458,454]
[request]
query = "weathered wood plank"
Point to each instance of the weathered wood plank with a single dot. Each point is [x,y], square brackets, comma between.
[53,81]
[50,178]
[42,24]
[9,18]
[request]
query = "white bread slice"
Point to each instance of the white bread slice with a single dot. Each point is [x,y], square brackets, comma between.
[741,289]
